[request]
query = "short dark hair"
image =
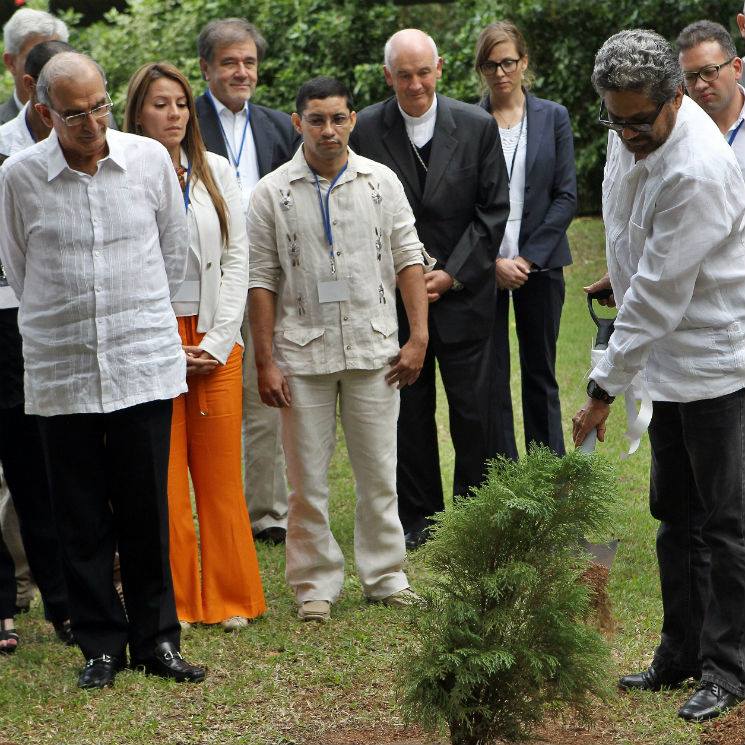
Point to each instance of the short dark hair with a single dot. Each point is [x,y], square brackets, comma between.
[321,87]
[41,53]
[228,31]
[701,31]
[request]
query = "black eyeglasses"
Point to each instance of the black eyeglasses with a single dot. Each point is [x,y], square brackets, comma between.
[639,127]
[490,68]
[708,74]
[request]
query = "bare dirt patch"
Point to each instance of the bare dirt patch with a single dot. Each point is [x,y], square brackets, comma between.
[729,730]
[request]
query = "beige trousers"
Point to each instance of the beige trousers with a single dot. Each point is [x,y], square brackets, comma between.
[25,587]
[368,411]
[264,462]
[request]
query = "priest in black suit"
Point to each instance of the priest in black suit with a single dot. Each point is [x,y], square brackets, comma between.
[449,158]
[255,140]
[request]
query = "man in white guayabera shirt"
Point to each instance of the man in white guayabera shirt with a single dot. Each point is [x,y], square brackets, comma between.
[94,257]
[331,234]
[673,206]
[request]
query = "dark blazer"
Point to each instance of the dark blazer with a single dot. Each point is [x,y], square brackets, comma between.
[461,215]
[550,184]
[8,110]
[274,136]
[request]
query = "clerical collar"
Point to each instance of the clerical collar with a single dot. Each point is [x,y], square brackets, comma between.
[421,128]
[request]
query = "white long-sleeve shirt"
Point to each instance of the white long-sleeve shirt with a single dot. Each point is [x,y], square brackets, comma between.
[94,261]
[676,259]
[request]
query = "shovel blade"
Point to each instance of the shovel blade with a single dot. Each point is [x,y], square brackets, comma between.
[602,553]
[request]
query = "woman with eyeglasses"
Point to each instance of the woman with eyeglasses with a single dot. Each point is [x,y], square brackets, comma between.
[206,425]
[539,155]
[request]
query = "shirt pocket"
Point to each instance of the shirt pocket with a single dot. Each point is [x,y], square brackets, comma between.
[301,347]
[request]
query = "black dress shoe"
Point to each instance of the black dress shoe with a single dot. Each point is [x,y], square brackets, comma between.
[416,538]
[167,662]
[99,672]
[653,680]
[273,535]
[709,701]
[64,632]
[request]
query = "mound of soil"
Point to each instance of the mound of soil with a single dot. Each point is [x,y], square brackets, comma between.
[596,578]
[727,730]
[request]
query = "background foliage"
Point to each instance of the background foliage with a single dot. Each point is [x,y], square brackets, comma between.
[345,38]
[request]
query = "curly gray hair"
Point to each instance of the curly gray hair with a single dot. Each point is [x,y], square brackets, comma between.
[638,60]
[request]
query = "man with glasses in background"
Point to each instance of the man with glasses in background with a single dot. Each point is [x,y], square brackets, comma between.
[94,259]
[712,72]
[255,140]
[331,234]
[673,207]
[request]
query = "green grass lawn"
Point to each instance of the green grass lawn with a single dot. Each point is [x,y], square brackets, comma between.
[282,682]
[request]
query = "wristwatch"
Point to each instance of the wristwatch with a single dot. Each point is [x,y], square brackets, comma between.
[596,392]
[457,286]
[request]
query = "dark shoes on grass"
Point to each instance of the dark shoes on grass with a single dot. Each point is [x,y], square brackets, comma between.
[709,701]
[165,662]
[652,679]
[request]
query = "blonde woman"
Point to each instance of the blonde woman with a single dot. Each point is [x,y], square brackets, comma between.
[539,154]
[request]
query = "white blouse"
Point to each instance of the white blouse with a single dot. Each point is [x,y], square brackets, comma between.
[514,139]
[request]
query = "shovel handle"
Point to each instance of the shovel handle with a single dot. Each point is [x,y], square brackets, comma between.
[588,445]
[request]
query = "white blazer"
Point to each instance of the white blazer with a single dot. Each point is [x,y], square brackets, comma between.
[223,270]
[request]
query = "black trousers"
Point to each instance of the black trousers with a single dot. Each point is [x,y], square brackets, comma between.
[537,306]
[108,475]
[697,493]
[470,378]
[25,470]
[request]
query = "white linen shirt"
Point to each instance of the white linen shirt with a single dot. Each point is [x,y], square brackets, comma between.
[92,259]
[15,134]
[374,239]
[676,259]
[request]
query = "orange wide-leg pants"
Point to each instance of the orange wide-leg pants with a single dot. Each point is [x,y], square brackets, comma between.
[206,442]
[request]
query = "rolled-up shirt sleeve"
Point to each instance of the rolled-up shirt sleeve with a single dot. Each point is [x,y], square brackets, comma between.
[690,222]
[263,258]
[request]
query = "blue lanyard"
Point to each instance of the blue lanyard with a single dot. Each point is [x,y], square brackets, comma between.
[187,199]
[325,212]
[734,134]
[235,161]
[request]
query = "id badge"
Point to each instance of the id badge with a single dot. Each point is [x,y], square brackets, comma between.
[335,291]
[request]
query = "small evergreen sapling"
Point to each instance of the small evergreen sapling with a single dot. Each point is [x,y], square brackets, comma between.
[502,633]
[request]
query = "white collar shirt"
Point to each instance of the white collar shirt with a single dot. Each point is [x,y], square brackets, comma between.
[676,259]
[94,261]
[14,137]
[374,238]
[736,133]
[245,161]
[421,129]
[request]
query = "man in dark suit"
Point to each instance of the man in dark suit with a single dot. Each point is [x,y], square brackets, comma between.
[255,140]
[449,158]
[25,29]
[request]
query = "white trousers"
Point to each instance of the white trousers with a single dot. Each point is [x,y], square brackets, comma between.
[263,459]
[368,411]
